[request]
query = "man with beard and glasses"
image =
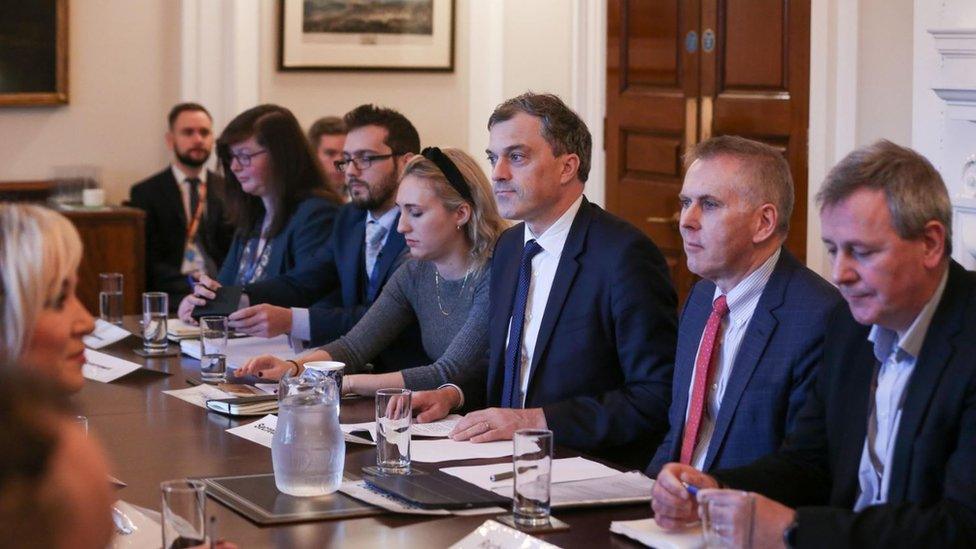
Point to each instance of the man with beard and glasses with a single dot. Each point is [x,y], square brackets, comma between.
[186,235]
[364,251]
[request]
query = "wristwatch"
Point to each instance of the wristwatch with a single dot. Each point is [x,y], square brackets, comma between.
[789,534]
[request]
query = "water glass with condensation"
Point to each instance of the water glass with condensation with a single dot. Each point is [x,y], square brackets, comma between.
[184,507]
[213,348]
[726,518]
[532,463]
[155,309]
[393,417]
[110,297]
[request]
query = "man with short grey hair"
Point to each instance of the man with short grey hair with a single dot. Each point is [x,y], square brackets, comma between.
[751,332]
[882,454]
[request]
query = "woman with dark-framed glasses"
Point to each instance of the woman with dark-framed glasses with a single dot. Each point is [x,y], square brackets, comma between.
[276,198]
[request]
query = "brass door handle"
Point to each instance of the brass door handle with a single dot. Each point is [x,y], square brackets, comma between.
[673,218]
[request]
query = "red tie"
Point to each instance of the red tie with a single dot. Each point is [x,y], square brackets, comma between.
[703,372]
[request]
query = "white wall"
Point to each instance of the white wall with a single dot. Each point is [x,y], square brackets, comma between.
[124,76]
[884,71]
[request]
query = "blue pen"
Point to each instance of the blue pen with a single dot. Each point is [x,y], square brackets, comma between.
[693,490]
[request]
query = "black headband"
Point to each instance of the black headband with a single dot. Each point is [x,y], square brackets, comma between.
[454,177]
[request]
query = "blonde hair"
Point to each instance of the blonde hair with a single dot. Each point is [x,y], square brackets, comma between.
[486,224]
[39,250]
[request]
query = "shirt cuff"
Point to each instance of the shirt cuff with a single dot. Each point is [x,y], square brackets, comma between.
[460,394]
[300,328]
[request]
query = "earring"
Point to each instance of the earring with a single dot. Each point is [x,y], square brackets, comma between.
[459,227]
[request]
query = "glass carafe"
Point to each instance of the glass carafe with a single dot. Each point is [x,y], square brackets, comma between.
[308,450]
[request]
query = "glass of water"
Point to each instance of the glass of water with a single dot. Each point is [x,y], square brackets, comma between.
[393,417]
[213,348]
[110,297]
[727,517]
[532,463]
[155,308]
[184,506]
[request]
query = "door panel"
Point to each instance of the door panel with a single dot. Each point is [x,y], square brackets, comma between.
[743,71]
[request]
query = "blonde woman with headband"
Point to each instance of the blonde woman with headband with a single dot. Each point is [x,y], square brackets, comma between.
[450,223]
[43,320]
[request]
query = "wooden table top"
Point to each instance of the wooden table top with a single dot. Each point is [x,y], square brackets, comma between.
[151,437]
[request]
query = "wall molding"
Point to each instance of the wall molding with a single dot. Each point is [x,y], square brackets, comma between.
[589,84]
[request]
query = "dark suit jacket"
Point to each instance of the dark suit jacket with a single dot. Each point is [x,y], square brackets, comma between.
[166,223]
[932,494]
[334,283]
[307,230]
[771,374]
[602,364]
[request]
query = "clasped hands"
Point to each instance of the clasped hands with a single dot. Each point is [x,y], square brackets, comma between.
[261,320]
[733,517]
[479,426]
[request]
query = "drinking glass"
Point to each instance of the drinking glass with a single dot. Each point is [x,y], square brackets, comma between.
[213,348]
[532,463]
[726,518]
[82,421]
[393,417]
[110,297]
[184,506]
[155,308]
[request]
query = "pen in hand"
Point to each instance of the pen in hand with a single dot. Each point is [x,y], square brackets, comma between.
[509,474]
[693,490]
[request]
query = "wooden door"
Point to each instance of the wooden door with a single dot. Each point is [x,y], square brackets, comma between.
[680,71]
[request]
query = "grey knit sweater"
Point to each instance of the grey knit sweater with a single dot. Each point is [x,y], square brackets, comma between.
[453,318]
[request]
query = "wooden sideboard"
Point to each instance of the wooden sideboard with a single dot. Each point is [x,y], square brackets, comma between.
[115,241]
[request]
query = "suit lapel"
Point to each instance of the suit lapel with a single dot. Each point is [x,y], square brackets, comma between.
[172,196]
[691,329]
[351,268]
[504,279]
[857,372]
[937,350]
[561,283]
[758,332]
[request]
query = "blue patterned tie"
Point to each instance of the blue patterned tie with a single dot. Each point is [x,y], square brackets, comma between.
[511,397]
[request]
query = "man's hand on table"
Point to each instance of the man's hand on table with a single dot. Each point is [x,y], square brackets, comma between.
[497,424]
[673,506]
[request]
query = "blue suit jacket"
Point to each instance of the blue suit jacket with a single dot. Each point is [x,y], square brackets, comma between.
[602,364]
[333,284]
[771,374]
[307,230]
[932,491]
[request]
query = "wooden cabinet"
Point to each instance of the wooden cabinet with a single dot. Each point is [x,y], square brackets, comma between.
[114,239]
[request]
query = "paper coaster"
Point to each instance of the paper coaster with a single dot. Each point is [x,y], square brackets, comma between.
[555,525]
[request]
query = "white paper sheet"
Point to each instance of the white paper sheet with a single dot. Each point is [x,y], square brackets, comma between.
[647,532]
[146,528]
[106,368]
[262,430]
[105,334]
[198,395]
[436,451]
[241,349]
[563,470]
[498,536]
[435,429]
[631,487]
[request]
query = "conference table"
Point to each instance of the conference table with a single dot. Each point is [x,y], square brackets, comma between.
[151,437]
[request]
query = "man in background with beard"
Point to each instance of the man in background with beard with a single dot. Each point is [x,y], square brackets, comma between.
[363,252]
[186,235]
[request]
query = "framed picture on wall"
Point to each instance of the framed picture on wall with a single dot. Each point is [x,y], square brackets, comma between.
[405,35]
[33,52]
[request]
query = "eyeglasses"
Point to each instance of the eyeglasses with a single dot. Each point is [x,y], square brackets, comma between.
[362,162]
[244,159]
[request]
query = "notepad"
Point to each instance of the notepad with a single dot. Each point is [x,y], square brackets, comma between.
[647,532]
[255,405]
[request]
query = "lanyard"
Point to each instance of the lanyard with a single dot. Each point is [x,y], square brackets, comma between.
[194,225]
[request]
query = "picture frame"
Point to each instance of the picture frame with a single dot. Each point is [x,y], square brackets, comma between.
[366,35]
[33,53]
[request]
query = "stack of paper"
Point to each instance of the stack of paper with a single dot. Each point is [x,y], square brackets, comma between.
[647,532]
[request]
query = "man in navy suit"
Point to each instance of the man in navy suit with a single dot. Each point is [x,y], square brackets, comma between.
[882,453]
[582,325]
[325,299]
[741,373]
[186,232]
